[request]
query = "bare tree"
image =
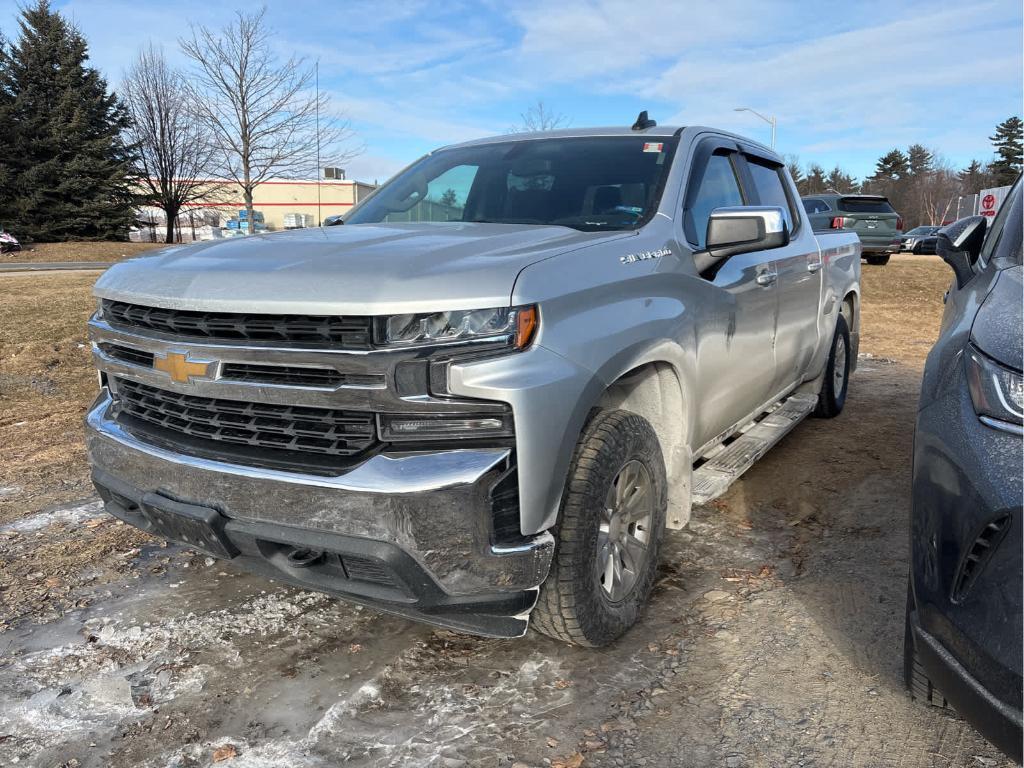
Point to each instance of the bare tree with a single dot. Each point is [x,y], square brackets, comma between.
[937,191]
[538,117]
[174,154]
[262,114]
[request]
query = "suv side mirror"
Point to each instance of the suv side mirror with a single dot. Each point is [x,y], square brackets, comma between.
[743,229]
[959,245]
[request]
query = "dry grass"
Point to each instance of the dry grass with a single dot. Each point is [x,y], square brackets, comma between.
[40,252]
[46,383]
[47,380]
[902,307]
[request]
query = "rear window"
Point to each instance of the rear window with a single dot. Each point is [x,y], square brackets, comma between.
[865,205]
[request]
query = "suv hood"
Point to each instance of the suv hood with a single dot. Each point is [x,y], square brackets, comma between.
[996,329]
[365,269]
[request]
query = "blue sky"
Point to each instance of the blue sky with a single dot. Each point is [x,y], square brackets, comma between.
[847,81]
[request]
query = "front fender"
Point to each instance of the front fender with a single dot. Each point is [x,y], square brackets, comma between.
[551,398]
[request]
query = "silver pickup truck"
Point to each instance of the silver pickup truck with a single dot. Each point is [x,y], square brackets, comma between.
[488,393]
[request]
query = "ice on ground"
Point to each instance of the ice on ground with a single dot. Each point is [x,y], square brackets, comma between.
[67,515]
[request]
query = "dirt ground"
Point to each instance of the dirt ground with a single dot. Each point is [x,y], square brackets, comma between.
[78,251]
[774,637]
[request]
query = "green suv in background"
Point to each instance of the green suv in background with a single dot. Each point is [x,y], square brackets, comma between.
[870,217]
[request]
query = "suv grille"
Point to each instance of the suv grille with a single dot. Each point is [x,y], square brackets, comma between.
[342,332]
[324,431]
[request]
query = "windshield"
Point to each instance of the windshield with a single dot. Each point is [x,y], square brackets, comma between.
[588,183]
[923,231]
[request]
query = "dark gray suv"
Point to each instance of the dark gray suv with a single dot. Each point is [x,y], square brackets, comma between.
[871,217]
[963,626]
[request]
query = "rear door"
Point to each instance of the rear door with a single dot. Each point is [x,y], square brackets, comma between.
[799,269]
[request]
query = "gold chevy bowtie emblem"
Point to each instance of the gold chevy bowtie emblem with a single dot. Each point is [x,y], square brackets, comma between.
[180,368]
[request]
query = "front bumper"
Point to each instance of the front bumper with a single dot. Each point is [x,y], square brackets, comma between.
[968,630]
[417,525]
[997,721]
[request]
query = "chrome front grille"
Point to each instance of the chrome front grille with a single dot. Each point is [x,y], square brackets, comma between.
[257,373]
[281,428]
[350,332]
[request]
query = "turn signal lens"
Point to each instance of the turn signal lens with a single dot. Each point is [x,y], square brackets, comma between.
[526,326]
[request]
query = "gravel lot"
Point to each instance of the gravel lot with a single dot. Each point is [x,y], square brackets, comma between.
[773,639]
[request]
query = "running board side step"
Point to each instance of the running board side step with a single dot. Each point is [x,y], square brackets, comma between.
[722,466]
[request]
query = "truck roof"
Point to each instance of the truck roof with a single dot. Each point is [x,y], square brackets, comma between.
[658,131]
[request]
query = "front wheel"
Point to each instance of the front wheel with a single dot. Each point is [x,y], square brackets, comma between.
[832,396]
[612,520]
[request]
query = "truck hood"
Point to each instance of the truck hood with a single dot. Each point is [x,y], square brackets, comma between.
[365,269]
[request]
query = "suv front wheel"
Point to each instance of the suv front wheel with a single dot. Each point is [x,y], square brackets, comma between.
[608,535]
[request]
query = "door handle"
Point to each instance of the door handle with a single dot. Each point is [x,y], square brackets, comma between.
[815,266]
[767,278]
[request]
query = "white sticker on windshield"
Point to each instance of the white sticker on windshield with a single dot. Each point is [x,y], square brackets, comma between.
[653,146]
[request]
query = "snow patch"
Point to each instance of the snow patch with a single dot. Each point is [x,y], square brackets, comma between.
[67,515]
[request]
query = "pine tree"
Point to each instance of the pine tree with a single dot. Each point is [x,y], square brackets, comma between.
[892,166]
[974,178]
[69,170]
[815,183]
[1008,145]
[841,181]
[920,160]
[6,137]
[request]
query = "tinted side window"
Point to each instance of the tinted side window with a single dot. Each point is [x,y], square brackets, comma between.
[719,188]
[815,206]
[769,188]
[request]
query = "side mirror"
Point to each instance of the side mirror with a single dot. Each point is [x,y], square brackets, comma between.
[959,245]
[743,229]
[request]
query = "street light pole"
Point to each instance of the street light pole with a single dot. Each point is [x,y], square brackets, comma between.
[768,119]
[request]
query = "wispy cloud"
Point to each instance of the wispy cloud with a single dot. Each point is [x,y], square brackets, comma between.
[846,82]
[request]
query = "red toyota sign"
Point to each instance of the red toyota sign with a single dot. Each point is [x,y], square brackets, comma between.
[988,202]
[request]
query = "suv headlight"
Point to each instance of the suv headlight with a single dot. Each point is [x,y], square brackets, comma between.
[997,392]
[514,326]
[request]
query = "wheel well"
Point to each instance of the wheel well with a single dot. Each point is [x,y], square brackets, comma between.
[848,309]
[654,391]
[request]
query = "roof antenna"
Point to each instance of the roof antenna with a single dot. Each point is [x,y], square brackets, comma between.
[643,122]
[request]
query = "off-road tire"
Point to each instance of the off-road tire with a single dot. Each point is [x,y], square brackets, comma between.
[830,401]
[877,261]
[914,677]
[572,605]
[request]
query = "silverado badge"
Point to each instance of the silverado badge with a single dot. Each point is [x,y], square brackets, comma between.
[182,370]
[644,255]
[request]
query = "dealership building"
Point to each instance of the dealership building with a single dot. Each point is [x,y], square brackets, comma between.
[279,204]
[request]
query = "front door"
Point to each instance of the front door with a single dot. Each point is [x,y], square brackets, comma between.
[735,317]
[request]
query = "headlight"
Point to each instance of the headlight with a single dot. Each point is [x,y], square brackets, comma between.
[515,326]
[997,392]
